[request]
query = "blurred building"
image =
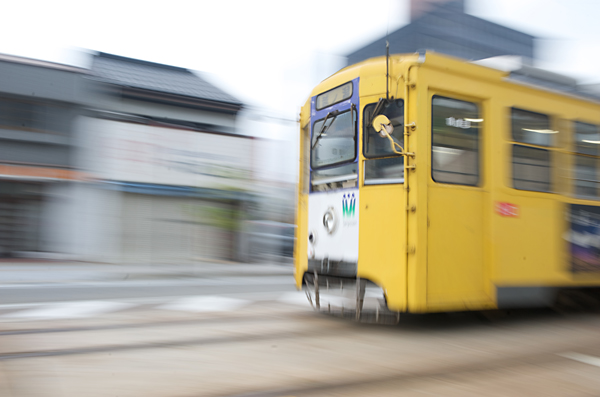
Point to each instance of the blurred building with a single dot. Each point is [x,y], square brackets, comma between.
[39,106]
[129,161]
[169,176]
[133,161]
[443,26]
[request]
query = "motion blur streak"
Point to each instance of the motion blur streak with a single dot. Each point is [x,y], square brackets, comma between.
[148,212]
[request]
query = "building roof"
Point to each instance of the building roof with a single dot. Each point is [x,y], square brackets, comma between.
[158,78]
[41,63]
[447,29]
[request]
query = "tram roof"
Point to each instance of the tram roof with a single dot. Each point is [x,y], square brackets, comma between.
[512,69]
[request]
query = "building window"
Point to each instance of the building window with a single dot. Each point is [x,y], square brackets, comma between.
[530,163]
[19,114]
[455,141]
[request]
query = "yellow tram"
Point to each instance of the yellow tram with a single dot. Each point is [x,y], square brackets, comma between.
[442,185]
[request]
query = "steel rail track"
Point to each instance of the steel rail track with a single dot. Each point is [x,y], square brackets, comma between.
[405,375]
[214,320]
[337,330]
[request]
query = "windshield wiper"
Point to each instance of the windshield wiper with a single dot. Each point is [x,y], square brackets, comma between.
[324,128]
[382,102]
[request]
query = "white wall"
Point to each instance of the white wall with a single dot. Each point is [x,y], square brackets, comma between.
[81,221]
[120,151]
[58,218]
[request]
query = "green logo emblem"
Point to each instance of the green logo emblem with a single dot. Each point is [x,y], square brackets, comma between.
[348,205]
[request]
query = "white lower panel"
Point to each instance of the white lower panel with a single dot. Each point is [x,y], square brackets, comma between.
[342,243]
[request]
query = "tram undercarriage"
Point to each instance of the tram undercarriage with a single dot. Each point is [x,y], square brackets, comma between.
[347,297]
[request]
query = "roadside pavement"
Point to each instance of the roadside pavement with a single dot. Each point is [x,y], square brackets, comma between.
[21,271]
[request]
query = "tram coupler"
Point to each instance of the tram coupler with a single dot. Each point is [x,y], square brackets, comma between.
[317,297]
[360,296]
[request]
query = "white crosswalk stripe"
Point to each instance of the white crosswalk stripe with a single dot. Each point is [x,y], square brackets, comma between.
[206,304]
[192,304]
[68,310]
[216,281]
[294,298]
[582,358]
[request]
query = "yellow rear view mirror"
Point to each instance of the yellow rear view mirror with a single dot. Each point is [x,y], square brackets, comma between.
[383,126]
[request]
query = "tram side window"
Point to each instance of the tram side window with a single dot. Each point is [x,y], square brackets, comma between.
[587,138]
[531,164]
[455,141]
[531,170]
[382,165]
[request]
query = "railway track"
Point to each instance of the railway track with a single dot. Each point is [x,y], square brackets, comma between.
[271,351]
[393,383]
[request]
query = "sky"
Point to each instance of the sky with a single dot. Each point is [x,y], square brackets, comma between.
[567,31]
[270,53]
[260,50]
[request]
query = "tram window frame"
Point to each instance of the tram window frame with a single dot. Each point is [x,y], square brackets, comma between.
[586,152]
[522,132]
[380,167]
[472,178]
[305,131]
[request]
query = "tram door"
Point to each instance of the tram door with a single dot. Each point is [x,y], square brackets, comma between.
[382,216]
[455,259]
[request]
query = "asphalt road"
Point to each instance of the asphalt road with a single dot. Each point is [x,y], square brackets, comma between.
[277,348]
[257,336]
[124,289]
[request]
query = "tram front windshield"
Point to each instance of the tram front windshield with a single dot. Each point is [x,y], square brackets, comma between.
[334,140]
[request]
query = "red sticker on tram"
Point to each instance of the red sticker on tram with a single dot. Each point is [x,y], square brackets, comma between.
[507,209]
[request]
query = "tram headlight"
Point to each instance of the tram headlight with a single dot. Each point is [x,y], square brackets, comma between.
[329,221]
